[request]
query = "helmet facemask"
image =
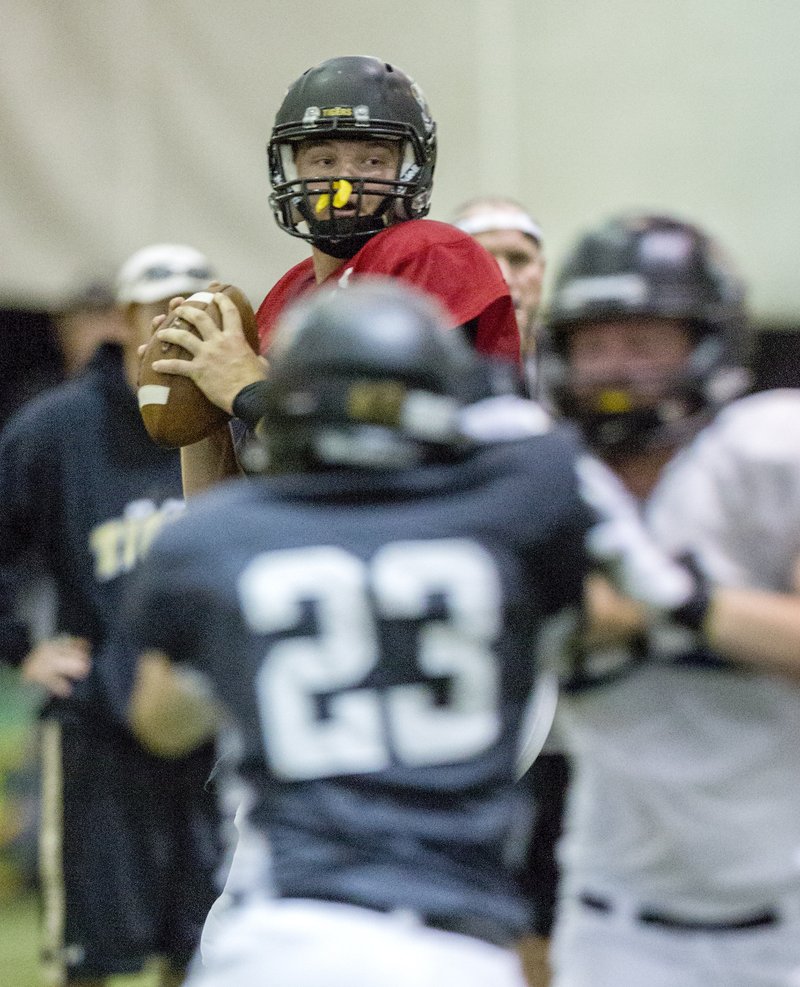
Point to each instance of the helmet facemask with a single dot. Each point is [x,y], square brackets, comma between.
[631,412]
[309,207]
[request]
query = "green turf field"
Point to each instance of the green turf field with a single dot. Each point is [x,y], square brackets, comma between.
[18,942]
[18,915]
[19,932]
[19,945]
[19,921]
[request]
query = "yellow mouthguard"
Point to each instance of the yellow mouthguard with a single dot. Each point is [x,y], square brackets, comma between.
[614,401]
[343,190]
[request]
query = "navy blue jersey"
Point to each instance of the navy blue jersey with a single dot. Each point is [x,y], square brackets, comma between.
[372,635]
[84,487]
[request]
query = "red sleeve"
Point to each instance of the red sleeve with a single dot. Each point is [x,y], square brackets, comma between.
[453,267]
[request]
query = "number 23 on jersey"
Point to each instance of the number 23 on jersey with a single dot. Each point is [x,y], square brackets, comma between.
[364,728]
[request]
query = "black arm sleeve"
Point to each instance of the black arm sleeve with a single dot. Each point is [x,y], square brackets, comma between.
[248,405]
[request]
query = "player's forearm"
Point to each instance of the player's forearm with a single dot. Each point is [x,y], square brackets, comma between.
[208,462]
[611,618]
[756,628]
[747,626]
[171,712]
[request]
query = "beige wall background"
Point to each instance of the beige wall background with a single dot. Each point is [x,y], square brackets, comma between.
[126,122]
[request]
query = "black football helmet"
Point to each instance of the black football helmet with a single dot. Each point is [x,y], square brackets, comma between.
[646,266]
[351,98]
[366,376]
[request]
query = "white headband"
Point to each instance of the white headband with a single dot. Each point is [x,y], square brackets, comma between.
[485,222]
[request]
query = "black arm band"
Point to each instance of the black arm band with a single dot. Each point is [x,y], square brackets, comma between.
[248,405]
[692,614]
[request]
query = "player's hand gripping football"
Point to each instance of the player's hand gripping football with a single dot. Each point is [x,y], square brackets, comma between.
[223,362]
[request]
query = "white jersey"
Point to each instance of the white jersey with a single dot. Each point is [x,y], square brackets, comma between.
[686,789]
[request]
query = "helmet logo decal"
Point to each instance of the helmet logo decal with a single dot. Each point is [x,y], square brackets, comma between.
[313,114]
[379,402]
[343,190]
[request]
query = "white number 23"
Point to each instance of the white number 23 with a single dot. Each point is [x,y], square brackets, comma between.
[364,726]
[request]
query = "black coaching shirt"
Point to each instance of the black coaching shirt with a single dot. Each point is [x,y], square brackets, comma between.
[372,635]
[84,488]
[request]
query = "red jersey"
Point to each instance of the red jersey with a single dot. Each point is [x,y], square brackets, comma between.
[434,257]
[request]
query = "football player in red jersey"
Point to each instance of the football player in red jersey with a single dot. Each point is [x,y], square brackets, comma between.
[351,157]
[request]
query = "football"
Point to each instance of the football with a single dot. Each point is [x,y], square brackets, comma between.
[174,410]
